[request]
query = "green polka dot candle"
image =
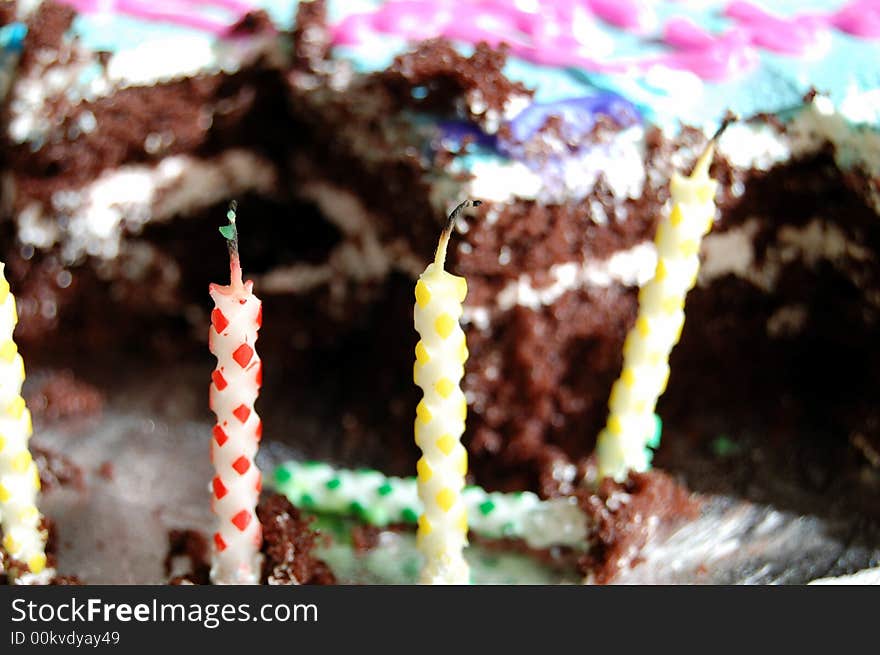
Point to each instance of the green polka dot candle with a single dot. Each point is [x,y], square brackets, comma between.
[440,356]
[381,500]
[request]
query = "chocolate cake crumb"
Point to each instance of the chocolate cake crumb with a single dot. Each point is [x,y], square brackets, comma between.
[288,542]
[192,545]
[65,580]
[365,538]
[60,395]
[445,75]
[56,469]
[7,13]
[46,30]
[253,22]
[622,517]
[311,37]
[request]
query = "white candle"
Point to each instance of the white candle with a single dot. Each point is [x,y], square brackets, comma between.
[235,385]
[24,540]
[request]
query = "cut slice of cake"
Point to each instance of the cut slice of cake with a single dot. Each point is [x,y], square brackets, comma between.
[350,132]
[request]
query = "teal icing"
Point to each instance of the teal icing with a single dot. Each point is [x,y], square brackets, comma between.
[850,65]
[664,97]
[116,33]
[12,37]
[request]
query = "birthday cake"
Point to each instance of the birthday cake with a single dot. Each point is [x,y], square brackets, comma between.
[348,131]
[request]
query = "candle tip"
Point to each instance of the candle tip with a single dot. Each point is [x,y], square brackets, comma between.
[453,216]
[729,118]
[440,256]
[229,231]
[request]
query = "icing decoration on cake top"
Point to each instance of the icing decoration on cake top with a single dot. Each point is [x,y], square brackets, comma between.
[676,63]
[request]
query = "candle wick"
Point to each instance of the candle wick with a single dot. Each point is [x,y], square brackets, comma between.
[729,118]
[230,233]
[701,168]
[440,255]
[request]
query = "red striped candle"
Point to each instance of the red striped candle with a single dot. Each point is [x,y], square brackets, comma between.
[235,385]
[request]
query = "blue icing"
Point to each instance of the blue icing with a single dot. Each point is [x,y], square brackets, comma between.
[12,37]
[578,116]
[453,134]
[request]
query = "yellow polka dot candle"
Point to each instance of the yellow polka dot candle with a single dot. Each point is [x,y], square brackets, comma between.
[24,538]
[440,417]
[622,444]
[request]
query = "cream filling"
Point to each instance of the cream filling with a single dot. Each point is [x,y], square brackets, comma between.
[92,220]
[632,267]
[750,145]
[733,252]
[723,253]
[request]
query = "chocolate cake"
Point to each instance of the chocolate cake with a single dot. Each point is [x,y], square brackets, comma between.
[288,542]
[347,132]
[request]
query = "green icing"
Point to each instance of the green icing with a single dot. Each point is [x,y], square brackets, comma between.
[283,474]
[654,440]
[723,446]
[228,232]
[378,500]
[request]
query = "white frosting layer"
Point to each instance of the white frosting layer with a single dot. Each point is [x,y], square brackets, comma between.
[762,146]
[91,220]
[632,267]
[732,252]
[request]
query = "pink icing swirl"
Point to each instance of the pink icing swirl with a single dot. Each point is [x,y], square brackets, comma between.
[859,18]
[555,35]
[550,36]
[790,36]
[712,57]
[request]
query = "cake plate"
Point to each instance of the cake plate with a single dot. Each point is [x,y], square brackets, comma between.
[145,470]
